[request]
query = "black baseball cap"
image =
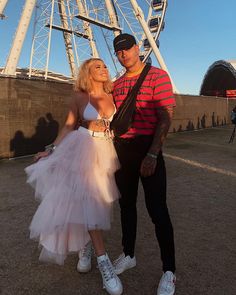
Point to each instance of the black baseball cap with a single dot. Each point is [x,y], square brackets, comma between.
[123,42]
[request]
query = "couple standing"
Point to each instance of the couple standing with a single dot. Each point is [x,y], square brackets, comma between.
[78,177]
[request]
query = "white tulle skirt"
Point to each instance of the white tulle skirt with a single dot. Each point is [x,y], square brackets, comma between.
[76,188]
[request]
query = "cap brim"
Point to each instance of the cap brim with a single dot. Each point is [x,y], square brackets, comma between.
[124,47]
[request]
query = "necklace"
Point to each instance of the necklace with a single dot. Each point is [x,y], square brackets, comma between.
[131,74]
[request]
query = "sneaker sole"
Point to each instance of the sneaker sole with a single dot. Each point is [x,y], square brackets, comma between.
[118,272]
[165,293]
[112,292]
[81,269]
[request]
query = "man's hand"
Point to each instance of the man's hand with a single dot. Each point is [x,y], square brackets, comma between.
[148,166]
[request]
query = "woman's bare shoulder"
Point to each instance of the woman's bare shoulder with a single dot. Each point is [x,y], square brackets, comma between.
[79,98]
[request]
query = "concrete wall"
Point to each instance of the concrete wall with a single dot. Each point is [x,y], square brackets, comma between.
[196,112]
[32,111]
[25,126]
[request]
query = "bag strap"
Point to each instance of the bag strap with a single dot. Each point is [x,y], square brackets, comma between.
[133,93]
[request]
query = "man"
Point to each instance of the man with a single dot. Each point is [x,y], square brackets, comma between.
[140,154]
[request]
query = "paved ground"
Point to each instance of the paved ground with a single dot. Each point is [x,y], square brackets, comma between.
[201,195]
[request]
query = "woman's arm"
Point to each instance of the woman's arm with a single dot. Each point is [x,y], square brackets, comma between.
[69,125]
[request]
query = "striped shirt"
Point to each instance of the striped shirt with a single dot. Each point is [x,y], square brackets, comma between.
[155,93]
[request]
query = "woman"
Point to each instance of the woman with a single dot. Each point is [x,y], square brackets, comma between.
[74,178]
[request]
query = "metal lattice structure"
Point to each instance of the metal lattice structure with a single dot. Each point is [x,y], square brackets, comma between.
[88,28]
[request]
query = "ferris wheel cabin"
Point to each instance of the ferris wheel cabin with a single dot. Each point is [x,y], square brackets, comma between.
[154,23]
[146,43]
[157,5]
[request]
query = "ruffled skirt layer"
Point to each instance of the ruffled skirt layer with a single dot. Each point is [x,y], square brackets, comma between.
[76,188]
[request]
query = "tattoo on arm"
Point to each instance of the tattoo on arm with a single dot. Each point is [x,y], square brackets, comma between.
[164,121]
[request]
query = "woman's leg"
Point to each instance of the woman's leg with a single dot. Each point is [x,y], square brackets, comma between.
[85,255]
[97,240]
[111,282]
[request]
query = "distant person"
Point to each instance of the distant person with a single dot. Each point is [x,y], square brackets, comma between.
[203,121]
[74,179]
[213,120]
[198,123]
[233,116]
[233,120]
[140,154]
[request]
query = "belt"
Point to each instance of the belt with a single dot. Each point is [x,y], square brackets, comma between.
[107,134]
[100,134]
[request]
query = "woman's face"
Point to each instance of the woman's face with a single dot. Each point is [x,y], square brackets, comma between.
[98,71]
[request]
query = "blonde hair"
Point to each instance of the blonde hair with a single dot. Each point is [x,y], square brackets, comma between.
[83,82]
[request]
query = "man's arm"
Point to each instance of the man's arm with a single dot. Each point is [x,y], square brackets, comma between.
[164,121]
[149,163]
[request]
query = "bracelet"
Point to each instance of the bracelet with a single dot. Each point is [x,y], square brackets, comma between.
[154,156]
[50,148]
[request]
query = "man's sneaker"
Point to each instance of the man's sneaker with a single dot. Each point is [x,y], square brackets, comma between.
[167,284]
[85,256]
[111,282]
[123,263]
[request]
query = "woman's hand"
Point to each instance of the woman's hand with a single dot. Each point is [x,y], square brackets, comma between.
[41,155]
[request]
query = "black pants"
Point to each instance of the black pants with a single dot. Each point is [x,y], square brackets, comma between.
[131,153]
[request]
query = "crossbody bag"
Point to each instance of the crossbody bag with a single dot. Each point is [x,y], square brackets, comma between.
[123,118]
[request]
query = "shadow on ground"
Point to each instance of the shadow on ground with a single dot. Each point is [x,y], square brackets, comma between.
[201,197]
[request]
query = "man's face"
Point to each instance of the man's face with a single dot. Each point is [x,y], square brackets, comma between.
[128,57]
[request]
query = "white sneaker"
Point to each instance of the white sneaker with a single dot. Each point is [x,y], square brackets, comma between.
[123,263]
[85,257]
[111,282]
[167,284]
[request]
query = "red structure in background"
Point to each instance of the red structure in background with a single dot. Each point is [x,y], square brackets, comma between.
[231,93]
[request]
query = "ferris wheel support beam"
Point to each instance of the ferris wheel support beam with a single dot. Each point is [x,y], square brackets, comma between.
[49,40]
[112,16]
[67,37]
[3,4]
[140,16]
[88,29]
[13,58]
[98,23]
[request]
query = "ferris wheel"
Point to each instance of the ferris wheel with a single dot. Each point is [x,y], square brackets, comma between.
[88,28]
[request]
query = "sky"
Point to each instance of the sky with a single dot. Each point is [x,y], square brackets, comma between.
[196,34]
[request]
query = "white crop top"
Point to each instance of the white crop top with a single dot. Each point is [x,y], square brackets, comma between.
[90,113]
